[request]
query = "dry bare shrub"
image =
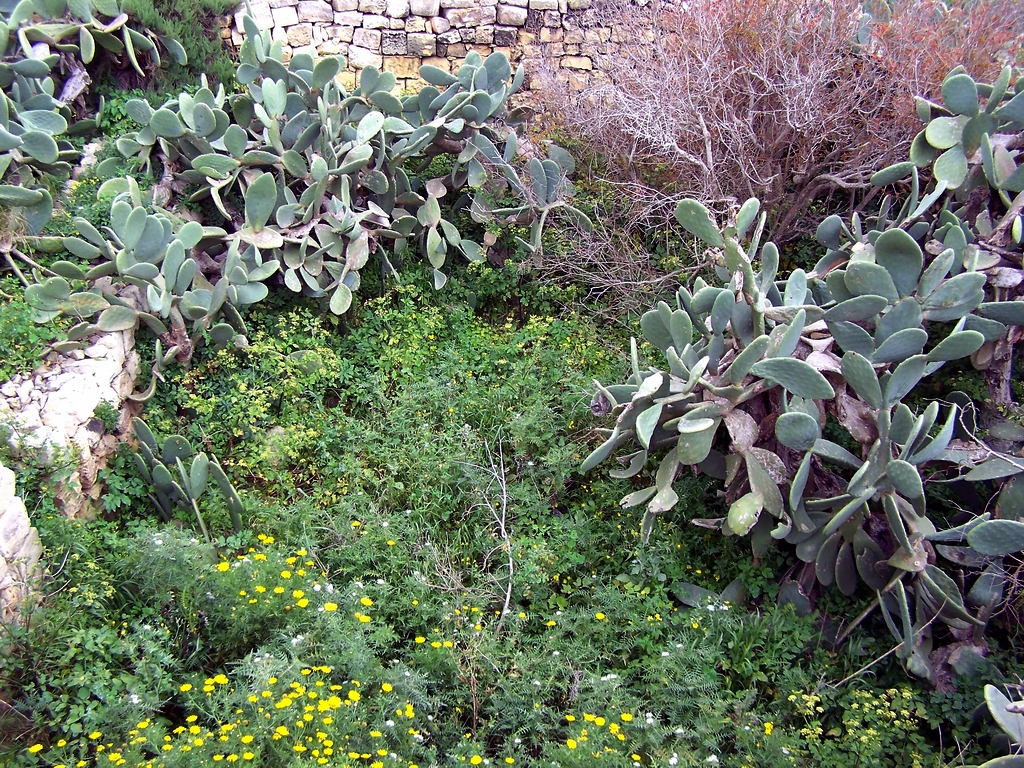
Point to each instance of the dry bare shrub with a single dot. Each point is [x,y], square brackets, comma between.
[614,264]
[919,42]
[726,99]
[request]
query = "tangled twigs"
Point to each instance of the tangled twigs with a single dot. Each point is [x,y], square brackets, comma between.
[493,496]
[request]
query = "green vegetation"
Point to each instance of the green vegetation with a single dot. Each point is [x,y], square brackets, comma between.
[23,340]
[194,24]
[361,529]
[752,359]
[398,577]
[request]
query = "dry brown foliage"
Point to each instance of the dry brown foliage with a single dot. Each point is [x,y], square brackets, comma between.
[726,99]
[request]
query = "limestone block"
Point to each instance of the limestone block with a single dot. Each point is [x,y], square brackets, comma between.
[402,66]
[14,528]
[347,79]
[437,61]
[6,486]
[367,38]
[483,50]
[505,36]
[425,7]
[450,37]
[552,19]
[360,57]
[457,51]
[516,3]
[393,43]
[282,3]
[260,14]
[7,577]
[373,6]
[31,551]
[397,9]
[578,5]
[460,3]
[285,16]
[578,81]
[237,38]
[348,18]
[422,44]
[345,5]
[440,25]
[577,62]
[339,34]
[315,10]
[372,21]
[573,37]
[300,34]
[469,17]
[549,35]
[511,16]
[484,35]
[543,5]
[415,24]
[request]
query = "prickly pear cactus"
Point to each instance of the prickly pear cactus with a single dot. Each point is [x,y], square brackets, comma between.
[973,119]
[34,114]
[179,476]
[753,366]
[325,177]
[146,249]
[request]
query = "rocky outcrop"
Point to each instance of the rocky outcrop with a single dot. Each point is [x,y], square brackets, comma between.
[50,413]
[20,549]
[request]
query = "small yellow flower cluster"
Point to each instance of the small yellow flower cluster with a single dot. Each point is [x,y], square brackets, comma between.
[599,740]
[272,581]
[317,719]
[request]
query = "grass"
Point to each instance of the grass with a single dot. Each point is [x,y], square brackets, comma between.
[424,573]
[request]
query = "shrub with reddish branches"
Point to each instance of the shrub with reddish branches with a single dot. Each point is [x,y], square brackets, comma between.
[786,100]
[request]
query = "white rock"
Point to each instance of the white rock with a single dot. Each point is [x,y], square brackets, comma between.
[511,16]
[14,528]
[29,417]
[363,57]
[6,486]
[285,16]
[315,10]
[425,7]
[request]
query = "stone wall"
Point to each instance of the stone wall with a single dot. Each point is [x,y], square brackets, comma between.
[569,36]
[20,549]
